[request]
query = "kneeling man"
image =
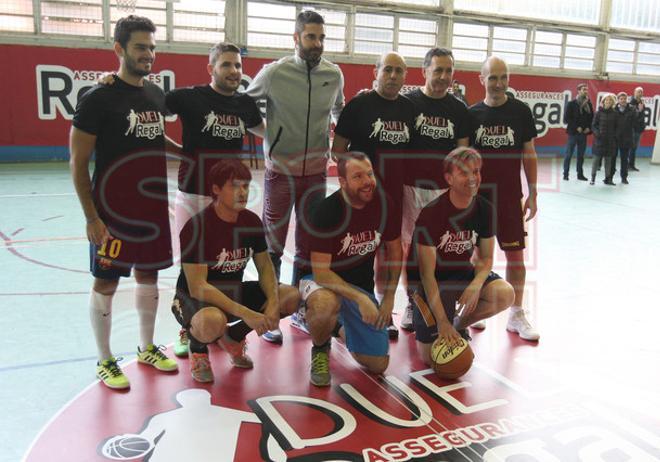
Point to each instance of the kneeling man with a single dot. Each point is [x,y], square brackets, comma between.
[348,228]
[212,302]
[453,291]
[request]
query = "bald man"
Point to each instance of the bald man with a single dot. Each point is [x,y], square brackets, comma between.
[504,133]
[380,124]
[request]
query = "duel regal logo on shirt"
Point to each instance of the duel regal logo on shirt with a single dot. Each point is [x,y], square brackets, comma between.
[146,124]
[233,260]
[390,131]
[457,243]
[434,127]
[495,137]
[360,243]
[227,126]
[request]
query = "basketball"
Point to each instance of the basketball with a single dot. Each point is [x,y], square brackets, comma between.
[126,447]
[451,363]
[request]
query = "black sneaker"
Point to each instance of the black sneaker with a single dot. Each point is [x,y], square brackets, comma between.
[565,176]
[392,332]
[624,181]
[582,178]
[633,168]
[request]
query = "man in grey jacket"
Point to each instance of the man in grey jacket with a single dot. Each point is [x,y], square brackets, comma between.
[303,93]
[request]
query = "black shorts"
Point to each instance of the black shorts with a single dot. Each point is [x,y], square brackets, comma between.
[151,252]
[450,291]
[248,294]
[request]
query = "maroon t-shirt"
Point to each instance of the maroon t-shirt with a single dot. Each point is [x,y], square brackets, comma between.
[453,232]
[225,248]
[352,236]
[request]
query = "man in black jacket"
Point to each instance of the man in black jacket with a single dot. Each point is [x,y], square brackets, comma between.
[577,117]
[637,103]
[627,117]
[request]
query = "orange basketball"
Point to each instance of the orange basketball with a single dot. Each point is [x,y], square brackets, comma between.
[451,363]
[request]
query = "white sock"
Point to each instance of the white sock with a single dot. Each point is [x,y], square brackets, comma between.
[146,302]
[514,310]
[100,315]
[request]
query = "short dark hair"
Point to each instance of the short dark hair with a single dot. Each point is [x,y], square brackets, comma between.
[460,156]
[132,23]
[621,93]
[436,52]
[307,17]
[580,86]
[219,48]
[227,170]
[344,158]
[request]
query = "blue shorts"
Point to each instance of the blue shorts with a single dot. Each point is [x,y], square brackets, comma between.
[361,338]
[451,290]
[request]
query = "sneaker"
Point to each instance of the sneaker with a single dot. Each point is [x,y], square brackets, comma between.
[237,352]
[565,176]
[633,168]
[407,318]
[479,325]
[320,369]
[582,178]
[592,182]
[392,332]
[109,372]
[181,344]
[273,336]
[518,323]
[298,320]
[200,367]
[155,357]
[624,181]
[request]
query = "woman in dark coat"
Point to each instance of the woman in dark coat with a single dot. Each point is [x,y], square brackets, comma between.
[604,128]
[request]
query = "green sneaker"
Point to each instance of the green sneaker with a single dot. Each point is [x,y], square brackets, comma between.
[155,357]
[110,374]
[320,370]
[181,344]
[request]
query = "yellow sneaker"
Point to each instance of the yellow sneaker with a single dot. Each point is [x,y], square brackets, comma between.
[155,357]
[110,374]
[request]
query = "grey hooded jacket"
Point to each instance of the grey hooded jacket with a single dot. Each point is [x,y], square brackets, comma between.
[300,102]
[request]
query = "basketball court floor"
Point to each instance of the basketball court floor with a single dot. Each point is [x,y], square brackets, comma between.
[588,391]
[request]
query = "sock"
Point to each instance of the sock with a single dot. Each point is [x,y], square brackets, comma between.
[325,346]
[195,346]
[146,302]
[238,331]
[514,310]
[100,315]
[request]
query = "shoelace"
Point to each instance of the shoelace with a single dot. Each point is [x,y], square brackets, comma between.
[200,361]
[113,367]
[183,337]
[320,362]
[158,351]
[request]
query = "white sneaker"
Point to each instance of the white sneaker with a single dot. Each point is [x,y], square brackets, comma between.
[479,325]
[518,323]
[407,318]
[298,320]
[273,336]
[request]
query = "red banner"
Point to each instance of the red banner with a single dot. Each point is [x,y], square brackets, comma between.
[43,84]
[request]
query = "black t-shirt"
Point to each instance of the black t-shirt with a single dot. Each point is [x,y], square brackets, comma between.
[225,248]
[499,134]
[352,235]
[453,232]
[129,185]
[213,126]
[438,124]
[377,126]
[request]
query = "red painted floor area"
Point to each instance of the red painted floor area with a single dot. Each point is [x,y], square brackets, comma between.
[509,407]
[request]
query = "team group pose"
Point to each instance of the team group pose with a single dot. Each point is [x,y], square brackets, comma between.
[411,195]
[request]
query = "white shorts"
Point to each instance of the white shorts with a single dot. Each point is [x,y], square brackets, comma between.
[414,200]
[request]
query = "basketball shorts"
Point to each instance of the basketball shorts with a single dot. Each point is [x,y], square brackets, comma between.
[118,256]
[247,293]
[451,289]
[361,338]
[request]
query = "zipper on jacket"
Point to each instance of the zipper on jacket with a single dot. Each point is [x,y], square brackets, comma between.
[277,140]
[309,109]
